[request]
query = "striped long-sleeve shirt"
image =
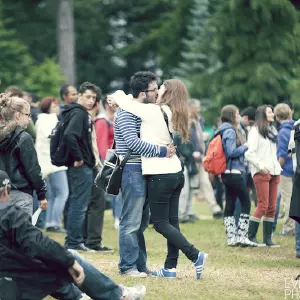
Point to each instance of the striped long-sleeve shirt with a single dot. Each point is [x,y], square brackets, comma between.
[127,131]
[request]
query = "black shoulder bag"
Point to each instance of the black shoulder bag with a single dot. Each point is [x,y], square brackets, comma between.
[110,176]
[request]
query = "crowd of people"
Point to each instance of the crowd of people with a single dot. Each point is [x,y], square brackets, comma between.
[163,131]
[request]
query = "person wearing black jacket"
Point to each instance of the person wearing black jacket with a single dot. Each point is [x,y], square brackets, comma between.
[17,153]
[81,160]
[40,266]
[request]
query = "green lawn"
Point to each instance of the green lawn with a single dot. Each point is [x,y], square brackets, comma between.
[230,273]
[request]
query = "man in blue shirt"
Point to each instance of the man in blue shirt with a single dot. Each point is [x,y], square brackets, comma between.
[283,115]
[135,209]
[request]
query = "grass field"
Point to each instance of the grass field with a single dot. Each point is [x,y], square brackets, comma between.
[230,273]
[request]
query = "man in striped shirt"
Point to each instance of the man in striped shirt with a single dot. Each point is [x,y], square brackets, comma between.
[135,209]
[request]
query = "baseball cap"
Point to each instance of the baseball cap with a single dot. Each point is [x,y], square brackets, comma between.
[4,179]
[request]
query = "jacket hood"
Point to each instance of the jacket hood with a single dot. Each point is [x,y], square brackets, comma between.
[288,125]
[222,128]
[8,134]
[69,107]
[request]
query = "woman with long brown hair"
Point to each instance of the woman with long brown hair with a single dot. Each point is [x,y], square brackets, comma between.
[164,175]
[233,179]
[266,170]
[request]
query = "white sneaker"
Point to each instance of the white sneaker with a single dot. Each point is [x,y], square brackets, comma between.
[135,273]
[137,292]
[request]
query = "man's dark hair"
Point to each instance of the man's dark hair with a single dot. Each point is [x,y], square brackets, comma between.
[289,103]
[64,91]
[139,82]
[249,112]
[88,86]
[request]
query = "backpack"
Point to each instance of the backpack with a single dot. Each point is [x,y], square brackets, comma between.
[214,161]
[59,152]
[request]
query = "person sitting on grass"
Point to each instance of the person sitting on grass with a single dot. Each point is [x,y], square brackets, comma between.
[40,266]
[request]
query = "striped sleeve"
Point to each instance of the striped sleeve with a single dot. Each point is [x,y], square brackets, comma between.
[128,126]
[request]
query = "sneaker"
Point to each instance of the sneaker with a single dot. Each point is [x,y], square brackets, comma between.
[297,254]
[147,271]
[55,229]
[171,273]
[137,292]
[102,249]
[82,247]
[199,264]
[134,273]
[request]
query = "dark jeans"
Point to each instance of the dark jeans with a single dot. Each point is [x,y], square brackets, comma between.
[219,190]
[238,207]
[163,195]
[95,216]
[80,187]
[235,187]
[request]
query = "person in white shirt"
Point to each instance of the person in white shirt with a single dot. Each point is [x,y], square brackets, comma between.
[56,177]
[164,175]
[265,170]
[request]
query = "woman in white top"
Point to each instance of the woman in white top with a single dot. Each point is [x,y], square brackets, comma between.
[265,170]
[164,175]
[56,177]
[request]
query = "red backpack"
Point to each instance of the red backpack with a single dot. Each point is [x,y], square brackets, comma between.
[214,161]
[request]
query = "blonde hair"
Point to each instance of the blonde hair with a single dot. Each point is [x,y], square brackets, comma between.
[9,105]
[176,97]
[283,112]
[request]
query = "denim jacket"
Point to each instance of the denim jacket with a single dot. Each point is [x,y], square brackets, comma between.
[234,154]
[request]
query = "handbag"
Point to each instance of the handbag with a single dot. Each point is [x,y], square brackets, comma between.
[109,177]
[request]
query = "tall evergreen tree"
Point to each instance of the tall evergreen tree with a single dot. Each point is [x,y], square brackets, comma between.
[257,45]
[193,59]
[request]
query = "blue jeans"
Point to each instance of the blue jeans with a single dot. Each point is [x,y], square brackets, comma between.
[80,186]
[134,220]
[96,284]
[117,206]
[297,237]
[58,192]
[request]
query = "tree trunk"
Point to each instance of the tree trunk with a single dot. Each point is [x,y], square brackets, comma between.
[66,39]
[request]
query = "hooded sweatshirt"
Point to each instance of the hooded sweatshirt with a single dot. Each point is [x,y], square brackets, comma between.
[77,135]
[284,135]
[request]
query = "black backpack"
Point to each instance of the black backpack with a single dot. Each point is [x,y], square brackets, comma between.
[59,152]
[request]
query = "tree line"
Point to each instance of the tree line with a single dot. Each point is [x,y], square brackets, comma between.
[244,52]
